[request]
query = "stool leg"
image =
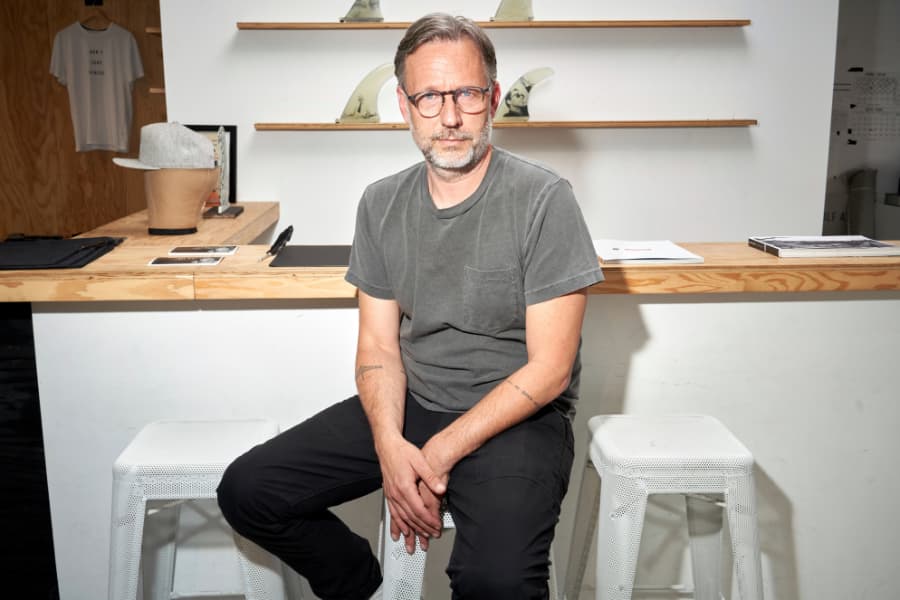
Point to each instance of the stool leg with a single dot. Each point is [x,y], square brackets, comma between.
[623,504]
[586,509]
[126,532]
[402,573]
[158,550]
[740,504]
[704,519]
[260,571]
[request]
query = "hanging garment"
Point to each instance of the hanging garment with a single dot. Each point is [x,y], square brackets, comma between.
[99,68]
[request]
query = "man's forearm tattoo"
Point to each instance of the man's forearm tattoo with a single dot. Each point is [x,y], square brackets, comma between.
[524,393]
[363,369]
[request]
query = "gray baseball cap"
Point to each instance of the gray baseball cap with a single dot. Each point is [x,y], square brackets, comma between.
[171,146]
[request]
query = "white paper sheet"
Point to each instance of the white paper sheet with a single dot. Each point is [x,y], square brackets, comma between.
[643,251]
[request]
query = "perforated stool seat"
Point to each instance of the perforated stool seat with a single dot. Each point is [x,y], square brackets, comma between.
[403,573]
[179,461]
[633,456]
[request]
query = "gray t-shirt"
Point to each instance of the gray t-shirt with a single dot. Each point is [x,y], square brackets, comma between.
[463,275]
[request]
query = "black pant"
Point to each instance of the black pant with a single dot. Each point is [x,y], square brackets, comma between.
[504,498]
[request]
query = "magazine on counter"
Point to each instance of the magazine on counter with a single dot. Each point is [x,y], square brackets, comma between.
[796,246]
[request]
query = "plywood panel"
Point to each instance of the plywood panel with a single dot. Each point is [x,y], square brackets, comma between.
[48,188]
[26,156]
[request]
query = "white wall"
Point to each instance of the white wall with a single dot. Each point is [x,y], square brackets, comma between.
[711,354]
[807,381]
[687,185]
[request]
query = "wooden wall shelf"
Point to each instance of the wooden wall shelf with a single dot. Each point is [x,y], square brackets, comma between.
[620,24]
[683,23]
[706,123]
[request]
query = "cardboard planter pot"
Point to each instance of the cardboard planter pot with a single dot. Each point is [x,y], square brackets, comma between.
[175,198]
[180,173]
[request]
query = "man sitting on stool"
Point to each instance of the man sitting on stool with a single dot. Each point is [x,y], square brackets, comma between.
[472,269]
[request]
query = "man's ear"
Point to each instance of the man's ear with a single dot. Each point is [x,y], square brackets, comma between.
[404,104]
[495,98]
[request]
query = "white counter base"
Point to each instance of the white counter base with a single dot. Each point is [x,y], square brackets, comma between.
[809,382]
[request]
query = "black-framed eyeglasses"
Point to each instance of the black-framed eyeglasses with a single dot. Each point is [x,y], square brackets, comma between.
[469,99]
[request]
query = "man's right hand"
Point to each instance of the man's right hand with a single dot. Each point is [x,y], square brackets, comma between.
[414,512]
[432,503]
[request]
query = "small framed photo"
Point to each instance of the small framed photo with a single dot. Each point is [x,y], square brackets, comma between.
[224,139]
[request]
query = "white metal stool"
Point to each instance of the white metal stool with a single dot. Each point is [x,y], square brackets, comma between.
[402,573]
[178,461]
[637,455]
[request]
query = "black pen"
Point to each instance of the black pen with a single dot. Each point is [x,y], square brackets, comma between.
[280,242]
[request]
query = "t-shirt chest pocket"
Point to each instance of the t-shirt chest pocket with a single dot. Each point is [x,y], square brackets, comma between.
[493,300]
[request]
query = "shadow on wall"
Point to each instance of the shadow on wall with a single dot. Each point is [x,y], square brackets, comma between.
[663,559]
[614,333]
[776,542]
[850,203]
[776,538]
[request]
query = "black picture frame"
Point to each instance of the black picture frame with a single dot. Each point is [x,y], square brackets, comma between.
[212,131]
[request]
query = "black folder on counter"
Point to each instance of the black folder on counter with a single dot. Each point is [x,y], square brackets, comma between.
[312,256]
[44,253]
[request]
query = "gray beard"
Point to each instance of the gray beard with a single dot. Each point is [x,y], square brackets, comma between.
[467,161]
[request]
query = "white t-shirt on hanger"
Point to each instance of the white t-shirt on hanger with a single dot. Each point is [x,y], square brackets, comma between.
[99,68]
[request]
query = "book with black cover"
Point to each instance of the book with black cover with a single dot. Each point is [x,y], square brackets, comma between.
[798,246]
[70,253]
[312,256]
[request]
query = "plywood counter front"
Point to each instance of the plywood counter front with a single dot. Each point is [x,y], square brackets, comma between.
[124,274]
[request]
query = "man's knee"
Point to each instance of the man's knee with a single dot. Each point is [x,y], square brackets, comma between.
[237,494]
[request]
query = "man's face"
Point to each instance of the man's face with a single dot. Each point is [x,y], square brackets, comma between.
[452,140]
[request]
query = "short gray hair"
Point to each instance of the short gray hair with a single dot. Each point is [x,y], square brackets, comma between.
[443,27]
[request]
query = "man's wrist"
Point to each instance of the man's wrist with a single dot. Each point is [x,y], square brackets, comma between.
[439,455]
[385,437]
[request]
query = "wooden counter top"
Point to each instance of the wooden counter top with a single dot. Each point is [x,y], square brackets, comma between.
[736,267]
[123,274]
[243,229]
